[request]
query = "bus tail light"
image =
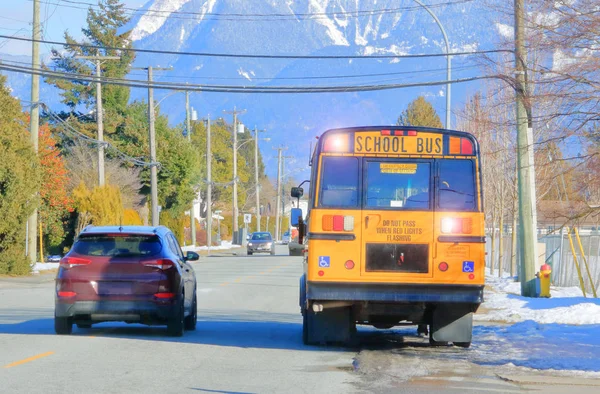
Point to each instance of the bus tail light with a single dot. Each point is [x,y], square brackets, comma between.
[457,225]
[338,223]
[443,266]
[349,264]
[461,146]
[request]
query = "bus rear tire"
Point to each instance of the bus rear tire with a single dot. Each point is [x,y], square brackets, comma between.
[332,326]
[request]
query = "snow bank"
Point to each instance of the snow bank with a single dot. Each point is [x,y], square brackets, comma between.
[43,267]
[225,245]
[567,305]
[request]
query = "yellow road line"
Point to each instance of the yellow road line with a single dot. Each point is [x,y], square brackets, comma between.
[224,284]
[28,359]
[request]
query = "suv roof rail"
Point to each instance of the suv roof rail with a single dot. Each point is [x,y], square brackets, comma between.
[89,226]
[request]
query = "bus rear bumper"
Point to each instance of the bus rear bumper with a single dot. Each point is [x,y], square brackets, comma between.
[370,292]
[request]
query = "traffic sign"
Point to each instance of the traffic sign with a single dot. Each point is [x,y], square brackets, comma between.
[247,218]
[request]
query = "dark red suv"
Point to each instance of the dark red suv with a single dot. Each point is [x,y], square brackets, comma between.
[135,274]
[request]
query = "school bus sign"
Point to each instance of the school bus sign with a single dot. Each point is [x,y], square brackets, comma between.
[375,142]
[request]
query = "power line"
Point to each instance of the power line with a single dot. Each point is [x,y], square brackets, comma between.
[262,56]
[265,17]
[430,71]
[233,88]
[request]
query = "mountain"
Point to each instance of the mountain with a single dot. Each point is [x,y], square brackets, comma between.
[306,27]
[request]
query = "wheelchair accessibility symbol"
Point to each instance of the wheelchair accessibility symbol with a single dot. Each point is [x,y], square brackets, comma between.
[324,261]
[468,266]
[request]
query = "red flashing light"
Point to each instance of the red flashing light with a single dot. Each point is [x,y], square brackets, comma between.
[411,133]
[466,146]
[162,264]
[349,264]
[321,273]
[164,295]
[70,262]
[67,294]
[443,266]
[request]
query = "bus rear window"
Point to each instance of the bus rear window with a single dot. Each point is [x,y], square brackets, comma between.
[398,185]
[456,187]
[339,182]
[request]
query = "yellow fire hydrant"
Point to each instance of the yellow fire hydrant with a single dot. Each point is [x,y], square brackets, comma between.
[544,275]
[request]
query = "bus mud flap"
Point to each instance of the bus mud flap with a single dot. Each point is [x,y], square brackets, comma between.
[452,323]
[330,326]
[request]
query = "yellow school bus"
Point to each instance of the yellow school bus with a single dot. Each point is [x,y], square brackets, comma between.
[393,235]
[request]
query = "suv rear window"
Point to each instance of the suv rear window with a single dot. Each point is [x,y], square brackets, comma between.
[123,245]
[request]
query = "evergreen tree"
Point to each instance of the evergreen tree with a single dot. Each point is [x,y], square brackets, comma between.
[102,30]
[19,180]
[420,112]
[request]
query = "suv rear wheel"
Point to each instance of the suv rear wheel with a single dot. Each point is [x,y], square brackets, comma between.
[63,325]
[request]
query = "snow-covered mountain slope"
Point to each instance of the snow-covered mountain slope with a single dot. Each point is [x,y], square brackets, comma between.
[307,27]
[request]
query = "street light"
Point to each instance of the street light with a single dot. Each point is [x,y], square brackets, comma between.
[448,61]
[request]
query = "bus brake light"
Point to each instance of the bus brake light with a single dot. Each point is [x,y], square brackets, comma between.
[338,223]
[460,146]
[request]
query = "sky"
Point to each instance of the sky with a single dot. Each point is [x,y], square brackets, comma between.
[56,16]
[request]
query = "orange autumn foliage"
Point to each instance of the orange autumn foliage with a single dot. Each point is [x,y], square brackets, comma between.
[55,176]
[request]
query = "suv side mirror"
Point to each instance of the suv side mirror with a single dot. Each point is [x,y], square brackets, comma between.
[297,192]
[192,256]
[295,216]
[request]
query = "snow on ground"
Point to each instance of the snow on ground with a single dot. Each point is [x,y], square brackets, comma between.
[225,245]
[560,334]
[566,306]
[43,267]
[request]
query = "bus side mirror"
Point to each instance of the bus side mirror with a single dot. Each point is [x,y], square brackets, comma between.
[297,192]
[296,216]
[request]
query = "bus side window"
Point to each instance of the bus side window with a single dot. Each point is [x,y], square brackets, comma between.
[456,185]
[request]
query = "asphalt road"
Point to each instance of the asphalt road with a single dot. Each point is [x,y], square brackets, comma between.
[248,340]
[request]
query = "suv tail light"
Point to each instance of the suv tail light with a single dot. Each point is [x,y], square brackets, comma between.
[70,262]
[162,264]
[457,226]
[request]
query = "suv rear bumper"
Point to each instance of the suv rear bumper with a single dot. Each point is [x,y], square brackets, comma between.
[380,292]
[116,310]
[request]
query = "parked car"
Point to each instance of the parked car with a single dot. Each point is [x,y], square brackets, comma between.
[285,239]
[261,242]
[53,258]
[135,274]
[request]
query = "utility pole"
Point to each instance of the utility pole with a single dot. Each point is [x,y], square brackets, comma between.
[188,128]
[525,164]
[235,113]
[278,206]
[34,122]
[257,186]
[208,186]
[282,194]
[152,141]
[99,112]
